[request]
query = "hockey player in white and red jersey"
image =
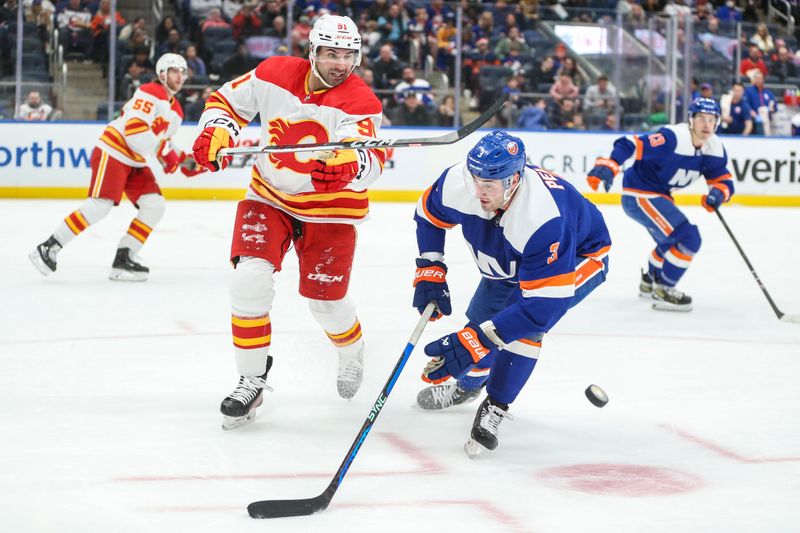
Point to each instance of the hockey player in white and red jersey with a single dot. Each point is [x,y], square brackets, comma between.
[541,248]
[296,198]
[119,164]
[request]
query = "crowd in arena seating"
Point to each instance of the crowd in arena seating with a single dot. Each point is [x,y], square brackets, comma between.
[410,54]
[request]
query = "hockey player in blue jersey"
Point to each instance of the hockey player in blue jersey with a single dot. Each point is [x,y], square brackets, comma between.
[540,247]
[669,159]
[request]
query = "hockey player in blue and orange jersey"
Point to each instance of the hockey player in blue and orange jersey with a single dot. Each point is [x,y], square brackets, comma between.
[541,248]
[296,199]
[144,129]
[669,159]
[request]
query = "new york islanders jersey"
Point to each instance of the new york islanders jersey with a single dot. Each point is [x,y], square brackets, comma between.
[535,242]
[291,113]
[668,160]
[147,122]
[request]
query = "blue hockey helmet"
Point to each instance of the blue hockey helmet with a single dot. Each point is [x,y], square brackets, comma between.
[705,105]
[497,156]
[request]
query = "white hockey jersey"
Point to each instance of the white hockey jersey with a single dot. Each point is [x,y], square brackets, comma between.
[290,113]
[146,124]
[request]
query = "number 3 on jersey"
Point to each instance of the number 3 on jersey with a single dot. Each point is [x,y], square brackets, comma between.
[553,252]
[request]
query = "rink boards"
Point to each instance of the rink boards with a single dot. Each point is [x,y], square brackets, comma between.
[51,160]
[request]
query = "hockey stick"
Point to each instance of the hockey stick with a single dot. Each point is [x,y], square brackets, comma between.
[781,315]
[448,138]
[307,506]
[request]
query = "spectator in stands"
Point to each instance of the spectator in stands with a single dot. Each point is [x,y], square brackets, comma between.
[763,103]
[300,32]
[484,29]
[422,88]
[601,96]
[446,112]
[530,12]
[636,19]
[174,44]
[138,39]
[480,57]
[544,73]
[246,22]
[706,91]
[163,29]
[213,20]
[652,6]
[412,112]
[236,65]
[202,8]
[783,66]
[394,25]
[753,62]
[140,68]
[563,87]
[278,28]
[564,115]
[513,41]
[446,42]
[610,123]
[728,13]
[194,109]
[559,54]
[270,9]
[100,26]
[570,68]
[34,108]
[74,23]
[763,39]
[195,63]
[40,12]
[231,8]
[737,116]
[126,32]
[388,69]
[379,8]
[534,117]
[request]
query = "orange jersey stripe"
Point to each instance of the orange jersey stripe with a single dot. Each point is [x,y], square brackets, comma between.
[344,204]
[116,140]
[648,208]
[680,255]
[217,101]
[724,177]
[639,147]
[432,219]
[561,280]
[141,226]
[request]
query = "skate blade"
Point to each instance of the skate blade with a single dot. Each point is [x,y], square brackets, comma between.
[648,295]
[40,265]
[473,449]
[666,306]
[123,275]
[234,422]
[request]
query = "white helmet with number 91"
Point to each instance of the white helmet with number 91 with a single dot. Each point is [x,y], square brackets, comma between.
[334,31]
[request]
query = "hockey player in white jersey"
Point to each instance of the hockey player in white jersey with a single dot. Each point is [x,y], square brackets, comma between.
[541,248]
[672,158]
[118,162]
[296,198]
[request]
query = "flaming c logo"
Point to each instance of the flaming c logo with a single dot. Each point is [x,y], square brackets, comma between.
[286,132]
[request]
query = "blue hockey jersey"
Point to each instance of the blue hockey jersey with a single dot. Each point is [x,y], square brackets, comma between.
[536,242]
[667,160]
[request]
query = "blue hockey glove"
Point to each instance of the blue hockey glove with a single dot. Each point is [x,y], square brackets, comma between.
[430,285]
[717,195]
[604,170]
[455,354]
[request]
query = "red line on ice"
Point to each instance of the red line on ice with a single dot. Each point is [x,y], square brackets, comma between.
[725,452]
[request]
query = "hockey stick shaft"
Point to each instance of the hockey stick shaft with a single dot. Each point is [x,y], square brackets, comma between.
[448,138]
[781,315]
[307,506]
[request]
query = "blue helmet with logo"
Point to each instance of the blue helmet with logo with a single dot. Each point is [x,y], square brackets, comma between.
[705,105]
[497,156]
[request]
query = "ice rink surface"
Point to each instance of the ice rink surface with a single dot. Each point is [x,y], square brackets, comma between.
[110,392]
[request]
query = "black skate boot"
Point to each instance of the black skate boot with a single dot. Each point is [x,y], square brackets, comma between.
[670,299]
[44,256]
[447,394]
[646,285]
[485,427]
[126,268]
[239,407]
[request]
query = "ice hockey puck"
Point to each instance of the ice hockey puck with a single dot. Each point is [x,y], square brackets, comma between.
[596,395]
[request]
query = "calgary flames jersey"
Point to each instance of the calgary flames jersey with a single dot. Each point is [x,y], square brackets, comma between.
[290,113]
[145,125]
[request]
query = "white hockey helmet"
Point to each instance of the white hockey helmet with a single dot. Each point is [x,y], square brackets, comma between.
[337,32]
[168,61]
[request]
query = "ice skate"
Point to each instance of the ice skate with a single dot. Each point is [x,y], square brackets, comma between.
[127,268]
[44,256]
[646,285]
[670,299]
[485,428]
[351,373]
[437,397]
[239,407]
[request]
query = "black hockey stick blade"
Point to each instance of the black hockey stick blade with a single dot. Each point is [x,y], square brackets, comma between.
[448,138]
[307,506]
